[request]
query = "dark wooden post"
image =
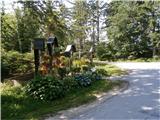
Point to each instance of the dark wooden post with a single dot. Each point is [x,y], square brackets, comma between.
[38,45]
[49,46]
[36,60]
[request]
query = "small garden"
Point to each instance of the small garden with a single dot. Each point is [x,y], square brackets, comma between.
[50,79]
[48,93]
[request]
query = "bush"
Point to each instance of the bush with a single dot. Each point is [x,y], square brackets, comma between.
[79,63]
[70,83]
[101,72]
[5,69]
[75,69]
[62,72]
[85,79]
[103,52]
[15,62]
[46,88]
[85,68]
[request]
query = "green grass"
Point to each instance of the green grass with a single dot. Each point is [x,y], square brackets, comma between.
[111,70]
[17,105]
[157,59]
[140,60]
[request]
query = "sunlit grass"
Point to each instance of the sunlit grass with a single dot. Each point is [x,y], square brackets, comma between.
[111,69]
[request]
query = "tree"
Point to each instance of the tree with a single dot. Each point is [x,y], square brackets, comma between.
[80,17]
[128,28]
[33,19]
[8,30]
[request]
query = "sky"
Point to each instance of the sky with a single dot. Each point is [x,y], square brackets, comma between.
[8,4]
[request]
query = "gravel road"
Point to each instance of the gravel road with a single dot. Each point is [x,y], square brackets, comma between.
[140,101]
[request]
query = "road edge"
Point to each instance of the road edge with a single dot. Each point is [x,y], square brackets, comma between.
[72,112]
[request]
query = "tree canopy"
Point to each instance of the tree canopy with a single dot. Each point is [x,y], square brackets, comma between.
[132,27]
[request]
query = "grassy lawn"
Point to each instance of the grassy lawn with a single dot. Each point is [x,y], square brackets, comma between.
[16,104]
[111,70]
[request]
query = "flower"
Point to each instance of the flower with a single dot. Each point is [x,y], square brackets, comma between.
[93,69]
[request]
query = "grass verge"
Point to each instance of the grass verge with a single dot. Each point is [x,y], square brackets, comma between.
[17,105]
[111,70]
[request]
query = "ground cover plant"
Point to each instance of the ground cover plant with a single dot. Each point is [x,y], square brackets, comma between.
[47,94]
[13,62]
[16,104]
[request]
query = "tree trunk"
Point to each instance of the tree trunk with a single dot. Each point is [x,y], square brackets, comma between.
[93,37]
[80,48]
[97,2]
[31,46]
[154,51]
[20,45]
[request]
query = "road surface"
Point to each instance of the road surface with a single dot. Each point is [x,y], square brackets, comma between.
[140,101]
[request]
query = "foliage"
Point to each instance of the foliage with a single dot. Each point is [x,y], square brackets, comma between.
[103,52]
[16,104]
[80,66]
[85,68]
[15,62]
[80,62]
[70,83]
[46,88]
[30,20]
[109,70]
[62,72]
[80,17]
[133,28]
[85,79]
[50,88]
[101,71]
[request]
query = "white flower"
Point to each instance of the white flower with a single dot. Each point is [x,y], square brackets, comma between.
[93,69]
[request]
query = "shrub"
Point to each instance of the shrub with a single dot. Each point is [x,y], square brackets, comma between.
[103,52]
[5,69]
[79,63]
[75,69]
[15,62]
[101,71]
[85,79]
[84,68]
[46,88]
[70,83]
[62,72]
